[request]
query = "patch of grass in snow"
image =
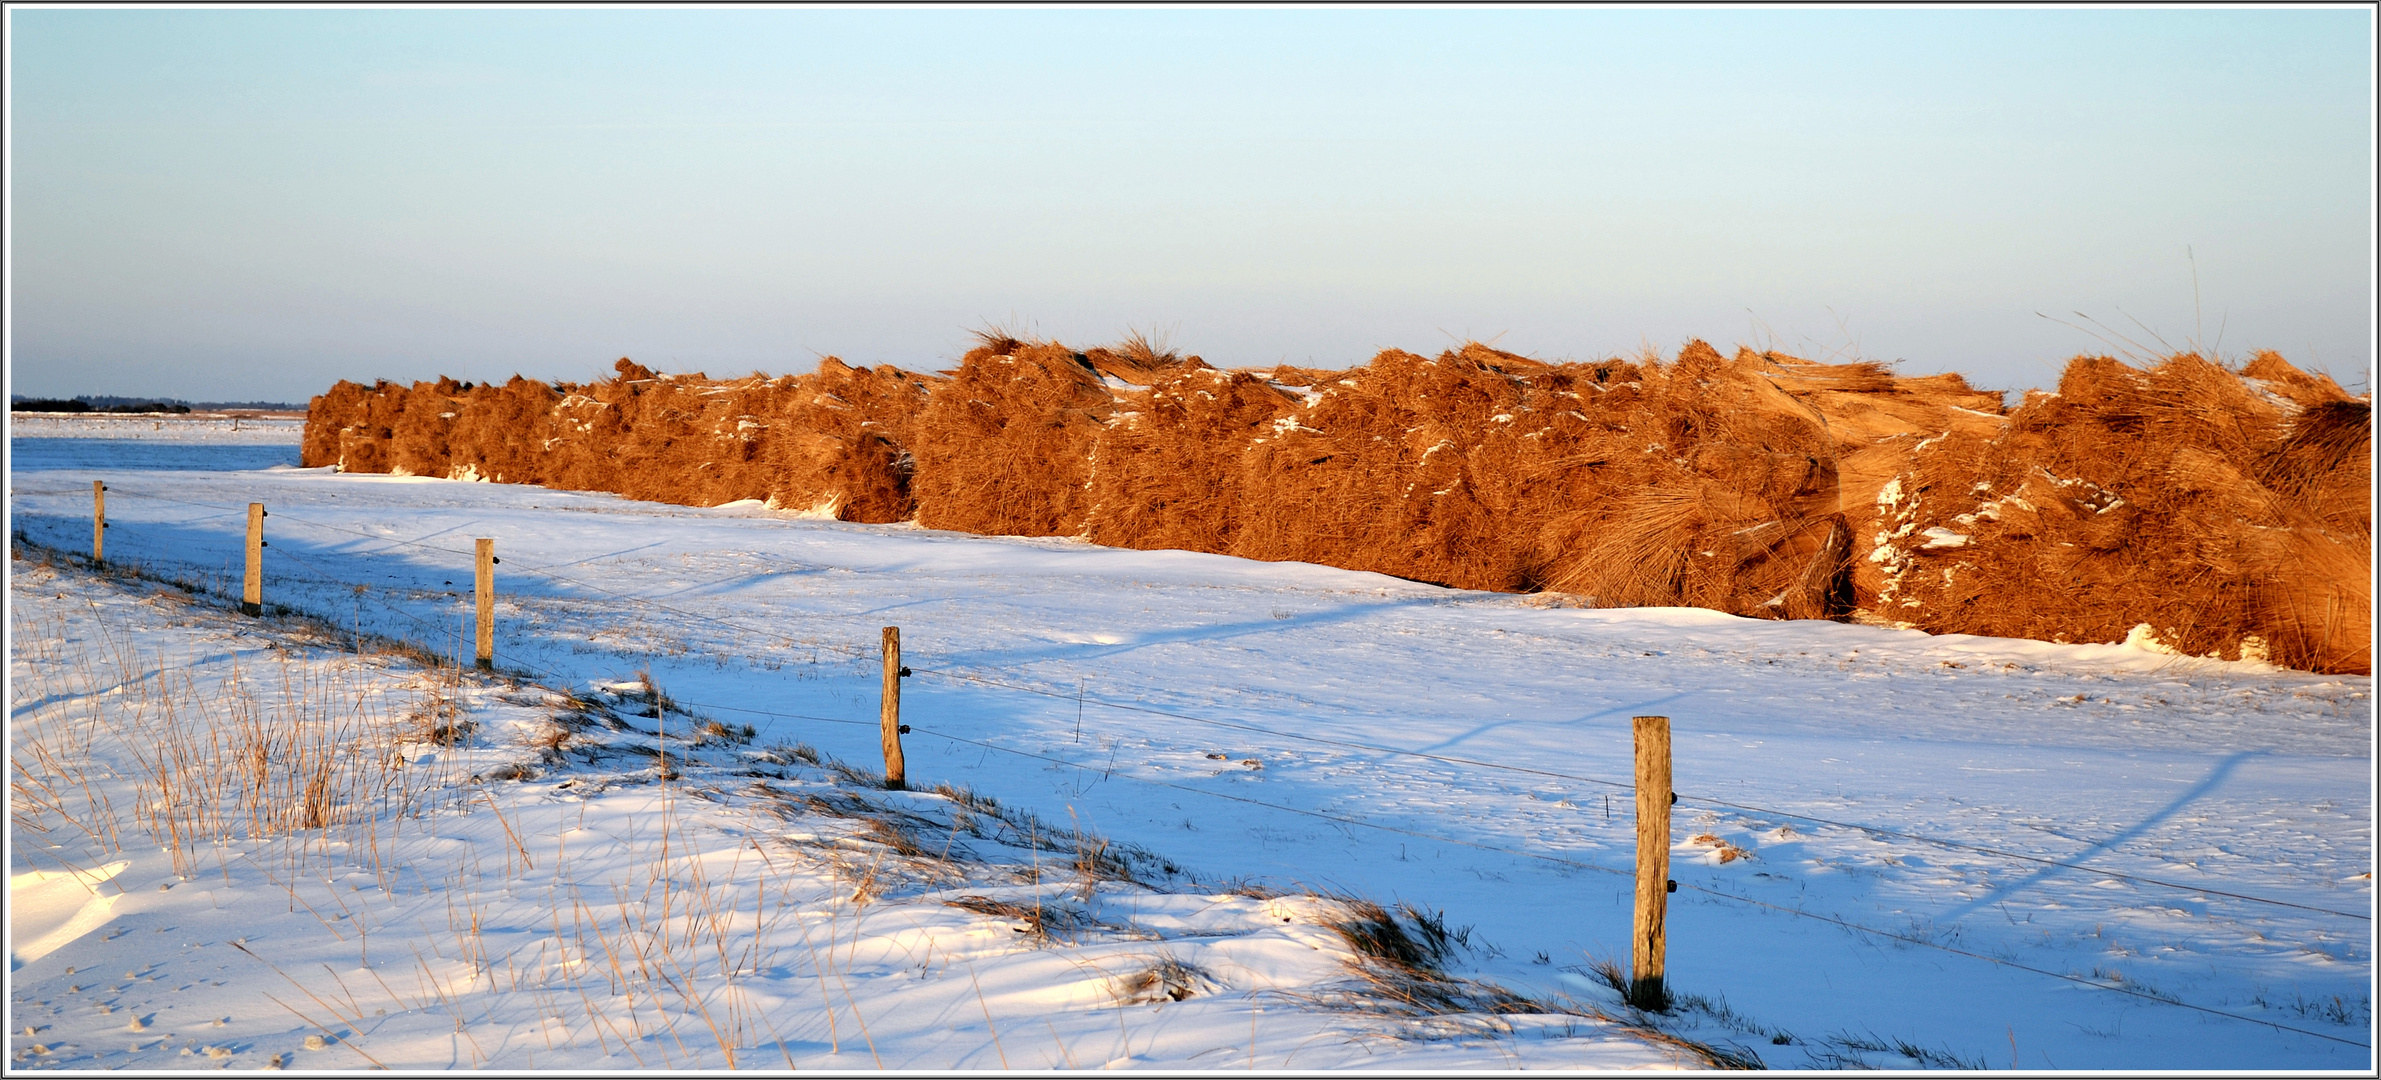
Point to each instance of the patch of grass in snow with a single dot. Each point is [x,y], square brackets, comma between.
[311,766]
[1839,1051]
[274,747]
[1165,978]
[2336,1009]
[1093,857]
[1846,1051]
[1399,970]
[1038,920]
[786,754]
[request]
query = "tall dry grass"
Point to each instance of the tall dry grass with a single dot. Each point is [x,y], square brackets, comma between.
[272,749]
[304,770]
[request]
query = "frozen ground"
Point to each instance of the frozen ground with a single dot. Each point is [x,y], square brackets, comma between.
[2073,856]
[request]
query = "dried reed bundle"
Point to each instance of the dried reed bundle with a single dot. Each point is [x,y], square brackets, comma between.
[685,439]
[1712,488]
[351,425]
[1167,465]
[840,445]
[504,433]
[418,442]
[2229,514]
[1004,447]
[1392,467]
[2229,511]
[1876,421]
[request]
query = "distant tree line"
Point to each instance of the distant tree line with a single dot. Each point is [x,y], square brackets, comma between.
[104,403]
[69,405]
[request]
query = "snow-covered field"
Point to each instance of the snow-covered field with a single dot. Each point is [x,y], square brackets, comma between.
[1893,849]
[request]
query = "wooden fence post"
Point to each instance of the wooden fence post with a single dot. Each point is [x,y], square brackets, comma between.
[252,595]
[1654,798]
[891,715]
[98,522]
[483,594]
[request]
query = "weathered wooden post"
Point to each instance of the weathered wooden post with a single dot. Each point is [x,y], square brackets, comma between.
[252,595]
[98,522]
[1654,799]
[891,715]
[483,593]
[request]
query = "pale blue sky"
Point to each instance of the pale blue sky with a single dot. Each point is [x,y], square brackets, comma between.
[244,204]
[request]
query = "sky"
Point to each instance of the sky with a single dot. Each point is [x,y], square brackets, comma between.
[226,204]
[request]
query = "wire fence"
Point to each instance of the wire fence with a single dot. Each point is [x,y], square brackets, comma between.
[966,678]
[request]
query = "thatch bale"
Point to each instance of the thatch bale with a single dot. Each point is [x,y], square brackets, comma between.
[1637,483]
[703,441]
[1166,471]
[617,433]
[505,433]
[1373,471]
[350,427]
[686,439]
[839,446]
[418,443]
[1710,487]
[2229,514]
[1004,447]
[318,442]
[1877,420]
[2183,505]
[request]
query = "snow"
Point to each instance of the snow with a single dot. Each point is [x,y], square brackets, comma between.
[1937,538]
[2146,639]
[1886,842]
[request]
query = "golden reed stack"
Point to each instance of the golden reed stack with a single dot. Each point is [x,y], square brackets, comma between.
[2182,506]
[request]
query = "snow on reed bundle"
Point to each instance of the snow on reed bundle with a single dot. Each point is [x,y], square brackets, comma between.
[1876,420]
[2180,506]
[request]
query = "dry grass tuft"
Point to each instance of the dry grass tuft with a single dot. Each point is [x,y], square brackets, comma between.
[893,835]
[1728,851]
[548,740]
[1166,978]
[1040,920]
[1399,972]
[1373,932]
